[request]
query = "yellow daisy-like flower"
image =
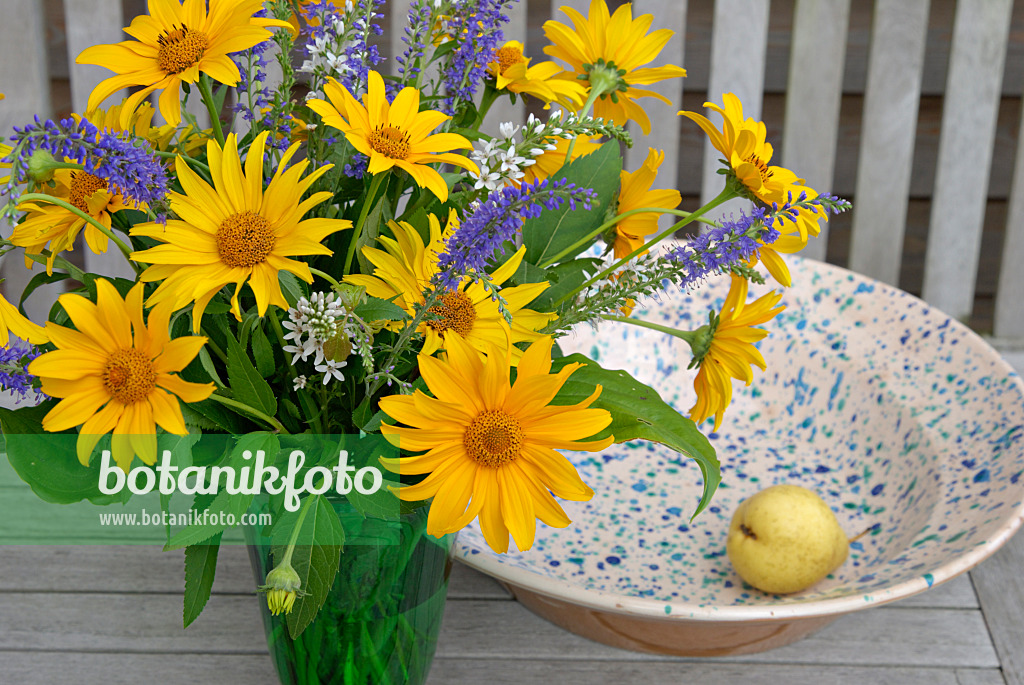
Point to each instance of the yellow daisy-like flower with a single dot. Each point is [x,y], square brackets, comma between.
[395,134]
[548,163]
[729,352]
[48,225]
[402,273]
[140,124]
[793,238]
[116,373]
[635,193]
[610,51]
[743,143]
[11,321]
[173,44]
[235,231]
[512,72]
[490,446]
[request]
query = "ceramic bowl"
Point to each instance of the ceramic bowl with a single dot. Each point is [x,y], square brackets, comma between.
[901,418]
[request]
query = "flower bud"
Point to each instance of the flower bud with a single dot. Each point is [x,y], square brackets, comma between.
[282,588]
[41,165]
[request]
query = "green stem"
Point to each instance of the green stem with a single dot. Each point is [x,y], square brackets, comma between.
[41,197]
[191,160]
[363,212]
[326,276]
[727,194]
[591,99]
[608,224]
[489,97]
[211,107]
[295,531]
[252,411]
[688,336]
[216,348]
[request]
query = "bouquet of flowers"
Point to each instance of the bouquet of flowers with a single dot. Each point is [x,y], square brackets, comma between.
[347,253]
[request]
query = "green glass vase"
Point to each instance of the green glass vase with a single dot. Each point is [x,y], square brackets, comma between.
[380,622]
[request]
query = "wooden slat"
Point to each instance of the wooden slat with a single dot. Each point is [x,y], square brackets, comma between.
[1000,589]
[884,636]
[565,672]
[665,120]
[47,668]
[739,40]
[1009,316]
[88,23]
[887,137]
[813,97]
[965,153]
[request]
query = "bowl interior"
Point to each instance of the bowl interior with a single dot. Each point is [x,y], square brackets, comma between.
[904,421]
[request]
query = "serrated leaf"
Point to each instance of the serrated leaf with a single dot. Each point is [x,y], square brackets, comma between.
[292,287]
[246,381]
[377,309]
[639,413]
[315,560]
[200,569]
[557,230]
[262,352]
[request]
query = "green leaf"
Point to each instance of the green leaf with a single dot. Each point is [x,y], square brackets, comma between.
[639,413]
[564,278]
[554,231]
[315,559]
[292,287]
[247,383]
[41,278]
[231,505]
[377,218]
[209,367]
[262,352]
[377,309]
[48,462]
[211,415]
[200,569]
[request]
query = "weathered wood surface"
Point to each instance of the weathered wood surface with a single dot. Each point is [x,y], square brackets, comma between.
[112,614]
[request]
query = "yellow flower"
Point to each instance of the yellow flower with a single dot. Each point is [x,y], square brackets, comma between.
[490,447]
[140,124]
[793,238]
[235,231]
[11,321]
[742,142]
[609,52]
[548,163]
[116,373]
[512,72]
[48,225]
[173,44]
[5,150]
[394,134]
[403,272]
[635,193]
[282,587]
[728,349]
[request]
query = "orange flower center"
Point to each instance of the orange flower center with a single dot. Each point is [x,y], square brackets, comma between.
[766,173]
[390,141]
[83,185]
[129,376]
[245,239]
[494,438]
[457,314]
[180,48]
[508,56]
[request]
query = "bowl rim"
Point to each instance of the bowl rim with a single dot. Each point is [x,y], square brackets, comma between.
[490,563]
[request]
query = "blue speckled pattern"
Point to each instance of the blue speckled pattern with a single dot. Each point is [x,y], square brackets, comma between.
[902,419]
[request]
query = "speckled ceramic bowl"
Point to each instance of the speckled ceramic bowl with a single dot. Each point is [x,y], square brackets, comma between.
[899,417]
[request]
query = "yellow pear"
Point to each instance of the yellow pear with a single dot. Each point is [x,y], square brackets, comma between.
[785,539]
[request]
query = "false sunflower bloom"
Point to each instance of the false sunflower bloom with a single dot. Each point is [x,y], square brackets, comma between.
[744,145]
[53,226]
[403,271]
[512,72]
[635,193]
[395,134]
[607,53]
[490,446]
[235,231]
[116,373]
[727,349]
[549,162]
[174,44]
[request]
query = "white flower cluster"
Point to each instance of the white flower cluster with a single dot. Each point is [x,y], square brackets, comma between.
[312,323]
[502,159]
[328,54]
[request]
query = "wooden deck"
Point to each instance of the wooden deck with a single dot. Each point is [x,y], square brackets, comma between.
[103,615]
